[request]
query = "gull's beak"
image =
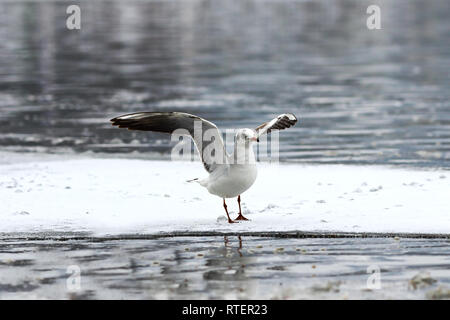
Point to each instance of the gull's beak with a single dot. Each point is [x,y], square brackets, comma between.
[254,139]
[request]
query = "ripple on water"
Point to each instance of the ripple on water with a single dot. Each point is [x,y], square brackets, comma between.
[216,267]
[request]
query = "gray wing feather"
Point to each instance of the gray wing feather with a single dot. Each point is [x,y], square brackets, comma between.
[168,122]
[283,121]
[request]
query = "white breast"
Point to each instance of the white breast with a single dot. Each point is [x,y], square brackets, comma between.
[233,181]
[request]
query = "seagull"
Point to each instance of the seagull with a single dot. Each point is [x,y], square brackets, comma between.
[230,175]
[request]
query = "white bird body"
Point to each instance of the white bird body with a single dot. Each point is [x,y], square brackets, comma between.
[229,175]
[233,178]
[231,181]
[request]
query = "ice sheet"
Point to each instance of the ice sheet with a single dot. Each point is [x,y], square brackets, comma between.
[109,196]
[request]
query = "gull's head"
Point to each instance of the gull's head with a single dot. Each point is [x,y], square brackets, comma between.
[246,135]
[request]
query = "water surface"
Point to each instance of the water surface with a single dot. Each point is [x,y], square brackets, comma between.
[362,96]
[225,267]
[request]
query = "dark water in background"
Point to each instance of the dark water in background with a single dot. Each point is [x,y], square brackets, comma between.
[362,96]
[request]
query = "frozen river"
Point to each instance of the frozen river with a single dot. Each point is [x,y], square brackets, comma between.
[363,97]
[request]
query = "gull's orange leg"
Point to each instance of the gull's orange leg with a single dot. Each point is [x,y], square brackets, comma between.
[240,216]
[225,206]
[240,247]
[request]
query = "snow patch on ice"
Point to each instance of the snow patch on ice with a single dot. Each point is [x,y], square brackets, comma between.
[138,196]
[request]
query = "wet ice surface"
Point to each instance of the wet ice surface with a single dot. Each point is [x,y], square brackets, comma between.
[225,267]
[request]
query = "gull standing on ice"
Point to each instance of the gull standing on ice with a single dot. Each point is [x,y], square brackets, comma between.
[229,175]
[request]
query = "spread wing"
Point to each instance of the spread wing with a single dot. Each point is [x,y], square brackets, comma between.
[283,121]
[205,134]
